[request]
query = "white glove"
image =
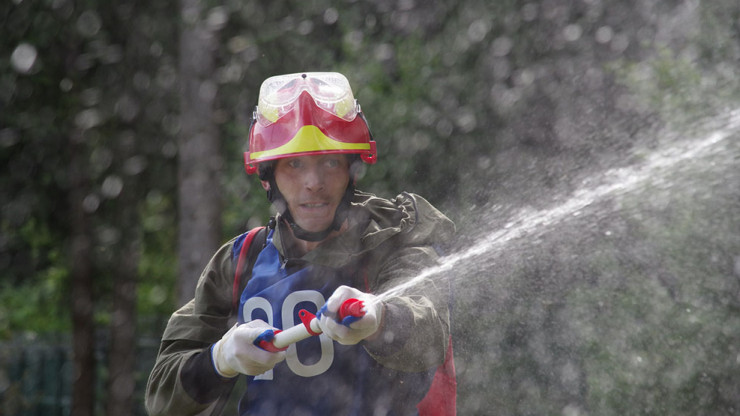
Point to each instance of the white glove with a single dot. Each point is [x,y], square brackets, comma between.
[236,353]
[358,330]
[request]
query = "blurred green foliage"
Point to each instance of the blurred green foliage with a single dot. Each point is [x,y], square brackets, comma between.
[158,263]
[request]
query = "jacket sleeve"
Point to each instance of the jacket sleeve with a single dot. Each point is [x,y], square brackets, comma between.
[183,381]
[416,325]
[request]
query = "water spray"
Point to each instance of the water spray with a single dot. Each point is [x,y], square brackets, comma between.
[279,340]
[620,181]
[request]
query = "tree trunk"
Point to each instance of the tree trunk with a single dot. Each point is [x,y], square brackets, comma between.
[122,358]
[122,354]
[199,156]
[83,327]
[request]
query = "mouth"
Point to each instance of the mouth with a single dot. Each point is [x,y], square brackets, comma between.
[314,205]
[313,215]
[315,208]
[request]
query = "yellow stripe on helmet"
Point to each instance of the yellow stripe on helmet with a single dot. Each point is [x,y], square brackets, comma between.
[308,139]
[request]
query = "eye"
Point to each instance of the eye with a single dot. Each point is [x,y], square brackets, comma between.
[332,163]
[295,163]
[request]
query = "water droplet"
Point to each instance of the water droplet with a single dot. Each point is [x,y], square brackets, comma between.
[501,46]
[91,203]
[108,235]
[217,18]
[572,33]
[331,15]
[88,119]
[524,77]
[8,137]
[384,52]
[157,295]
[66,85]
[478,30]
[91,96]
[134,165]
[112,186]
[444,128]
[620,43]
[89,23]
[529,12]
[169,149]
[466,120]
[604,34]
[23,58]
[484,162]
[208,90]
[127,108]
[305,27]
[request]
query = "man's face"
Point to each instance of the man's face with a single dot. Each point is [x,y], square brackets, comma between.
[313,187]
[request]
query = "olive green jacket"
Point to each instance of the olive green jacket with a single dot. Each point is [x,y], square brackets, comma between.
[396,239]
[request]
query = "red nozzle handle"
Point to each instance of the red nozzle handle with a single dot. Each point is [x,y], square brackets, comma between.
[351,307]
[266,341]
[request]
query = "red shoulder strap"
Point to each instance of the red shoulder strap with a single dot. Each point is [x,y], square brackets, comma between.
[441,399]
[240,266]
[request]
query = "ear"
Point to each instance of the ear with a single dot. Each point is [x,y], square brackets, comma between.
[265,185]
[357,170]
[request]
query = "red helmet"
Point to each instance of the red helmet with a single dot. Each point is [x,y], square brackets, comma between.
[307,114]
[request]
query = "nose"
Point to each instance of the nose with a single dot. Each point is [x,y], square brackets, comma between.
[313,179]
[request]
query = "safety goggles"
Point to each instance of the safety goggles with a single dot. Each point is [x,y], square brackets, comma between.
[329,90]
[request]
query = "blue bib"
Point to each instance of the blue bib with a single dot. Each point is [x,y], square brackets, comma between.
[319,376]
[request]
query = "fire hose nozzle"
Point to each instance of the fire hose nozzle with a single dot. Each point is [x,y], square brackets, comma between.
[349,311]
[351,307]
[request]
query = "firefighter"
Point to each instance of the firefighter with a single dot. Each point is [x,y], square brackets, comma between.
[327,243]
